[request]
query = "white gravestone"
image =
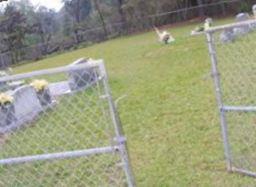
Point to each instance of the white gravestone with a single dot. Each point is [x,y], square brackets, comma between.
[254,10]
[243,29]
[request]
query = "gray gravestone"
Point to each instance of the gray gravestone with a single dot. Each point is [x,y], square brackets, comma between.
[7,115]
[45,97]
[82,78]
[243,29]
[242,17]
[26,104]
[252,26]
[59,88]
[3,85]
[26,107]
[227,36]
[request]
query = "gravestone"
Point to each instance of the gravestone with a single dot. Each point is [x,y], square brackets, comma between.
[15,84]
[45,97]
[254,10]
[227,36]
[242,17]
[81,78]
[59,88]
[26,103]
[26,107]
[252,26]
[7,115]
[242,30]
[3,85]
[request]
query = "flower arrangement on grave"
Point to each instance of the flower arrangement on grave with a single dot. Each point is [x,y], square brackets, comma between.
[42,90]
[207,25]
[6,109]
[164,36]
[5,99]
[39,85]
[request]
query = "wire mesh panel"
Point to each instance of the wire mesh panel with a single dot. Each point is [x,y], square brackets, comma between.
[231,49]
[59,127]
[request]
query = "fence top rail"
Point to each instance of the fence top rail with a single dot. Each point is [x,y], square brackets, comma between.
[92,64]
[226,26]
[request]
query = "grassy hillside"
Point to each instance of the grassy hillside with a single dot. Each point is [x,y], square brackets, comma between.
[169,114]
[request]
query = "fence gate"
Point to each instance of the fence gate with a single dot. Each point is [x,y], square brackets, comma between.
[59,127]
[233,58]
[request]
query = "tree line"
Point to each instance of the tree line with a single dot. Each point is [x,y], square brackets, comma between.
[30,32]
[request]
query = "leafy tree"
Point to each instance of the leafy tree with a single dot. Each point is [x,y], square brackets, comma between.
[45,26]
[78,10]
[13,28]
[101,17]
[120,4]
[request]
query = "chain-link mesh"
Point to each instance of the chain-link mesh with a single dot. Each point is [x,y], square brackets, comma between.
[234,71]
[236,63]
[57,129]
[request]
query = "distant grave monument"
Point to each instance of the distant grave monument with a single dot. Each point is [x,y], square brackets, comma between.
[227,36]
[254,10]
[238,31]
[230,35]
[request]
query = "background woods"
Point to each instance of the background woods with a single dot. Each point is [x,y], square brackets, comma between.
[29,32]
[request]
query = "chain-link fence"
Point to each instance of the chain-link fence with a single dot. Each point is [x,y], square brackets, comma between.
[231,49]
[60,127]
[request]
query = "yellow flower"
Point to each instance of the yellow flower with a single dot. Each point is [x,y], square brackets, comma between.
[39,85]
[207,26]
[5,99]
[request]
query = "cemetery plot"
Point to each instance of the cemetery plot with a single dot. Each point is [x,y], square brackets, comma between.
[51,130]
[234,73]
[231,34]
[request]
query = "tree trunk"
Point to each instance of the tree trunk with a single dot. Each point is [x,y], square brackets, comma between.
[201,9]
[76,36]
[77,12]
[223,9]
[122,14]
[97,7]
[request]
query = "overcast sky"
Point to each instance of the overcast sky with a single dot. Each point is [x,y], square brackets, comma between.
[54,4]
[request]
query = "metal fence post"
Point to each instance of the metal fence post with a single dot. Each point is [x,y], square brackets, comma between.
[120,139]
[216,77]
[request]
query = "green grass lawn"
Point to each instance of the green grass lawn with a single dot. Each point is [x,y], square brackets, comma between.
[169,115]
